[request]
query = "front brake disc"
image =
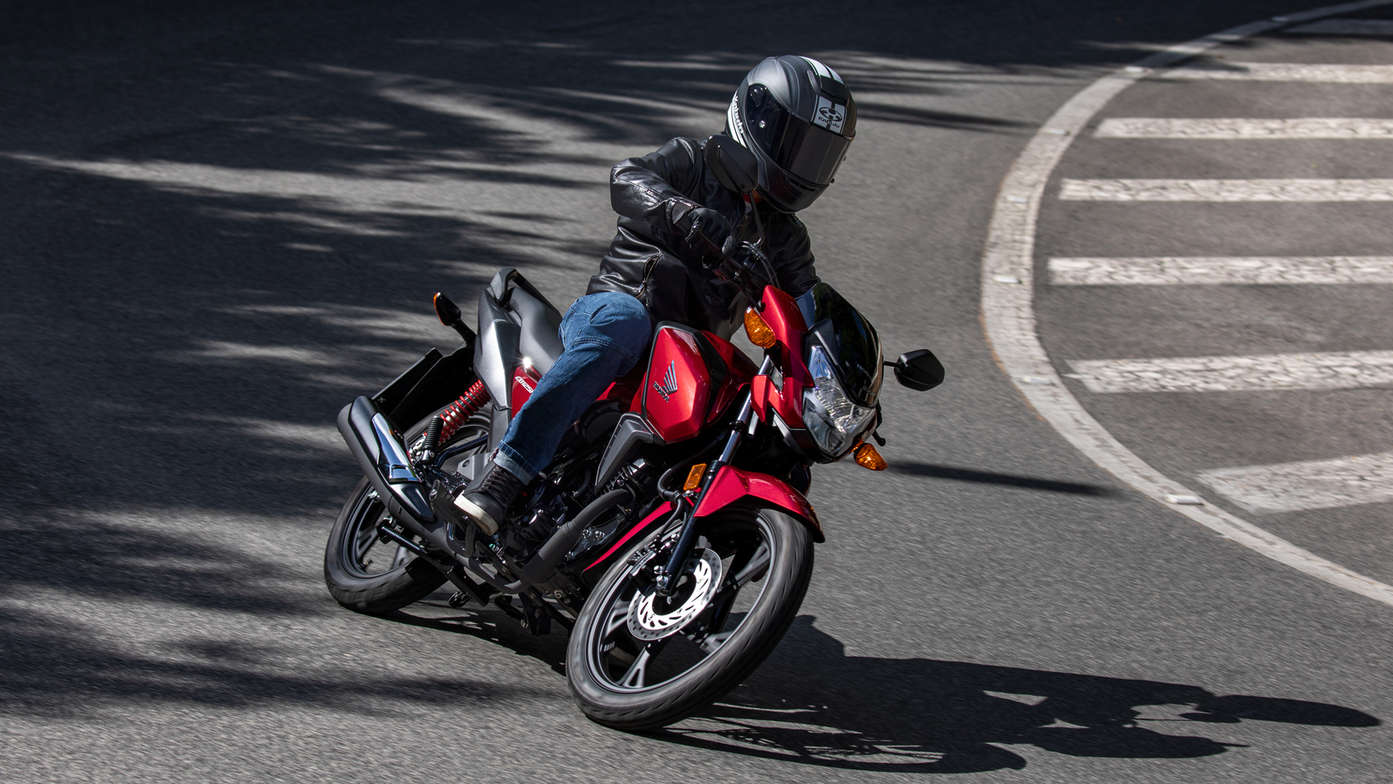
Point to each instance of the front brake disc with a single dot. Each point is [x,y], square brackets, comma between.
[703,577]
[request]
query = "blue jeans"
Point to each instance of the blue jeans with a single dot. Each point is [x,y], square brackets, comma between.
[604,335]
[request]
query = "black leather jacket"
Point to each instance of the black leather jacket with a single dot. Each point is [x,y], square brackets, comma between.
[646,258]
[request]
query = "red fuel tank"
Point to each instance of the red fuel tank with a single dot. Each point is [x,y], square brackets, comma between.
[692,377]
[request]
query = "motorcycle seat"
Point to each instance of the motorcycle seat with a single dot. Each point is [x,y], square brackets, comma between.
[540,327]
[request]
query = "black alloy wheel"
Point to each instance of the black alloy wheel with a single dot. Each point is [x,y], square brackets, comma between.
[368,574]
[638,660]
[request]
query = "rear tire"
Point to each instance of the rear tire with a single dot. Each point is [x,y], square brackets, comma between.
[407,579]
[637,706]
[347,577]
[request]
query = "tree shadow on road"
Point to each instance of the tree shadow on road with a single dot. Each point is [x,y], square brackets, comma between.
[55,668]
[811,703]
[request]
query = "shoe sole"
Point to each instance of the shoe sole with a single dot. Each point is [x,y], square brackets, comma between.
[476,515]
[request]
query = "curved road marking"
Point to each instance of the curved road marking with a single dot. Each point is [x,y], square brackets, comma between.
[1009,317]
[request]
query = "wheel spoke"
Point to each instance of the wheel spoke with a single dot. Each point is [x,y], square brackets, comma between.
[616,619]
[366,536]
[713,641]
[634,676]
[753,567]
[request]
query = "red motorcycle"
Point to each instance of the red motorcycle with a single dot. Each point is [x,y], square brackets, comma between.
[670,533]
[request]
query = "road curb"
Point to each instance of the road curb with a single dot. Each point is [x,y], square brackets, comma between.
[1008,314]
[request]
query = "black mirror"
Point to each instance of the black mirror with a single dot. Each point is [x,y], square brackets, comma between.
[919,370]
[734,166]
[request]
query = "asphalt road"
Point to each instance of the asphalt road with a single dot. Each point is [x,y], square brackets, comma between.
[221,223]
[1276,414]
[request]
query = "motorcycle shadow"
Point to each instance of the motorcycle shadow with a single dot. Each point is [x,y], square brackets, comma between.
[811,703]
[487,623]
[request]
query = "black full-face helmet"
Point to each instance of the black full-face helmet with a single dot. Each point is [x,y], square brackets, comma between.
[798,118]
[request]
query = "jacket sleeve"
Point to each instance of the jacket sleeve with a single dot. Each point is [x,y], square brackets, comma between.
[654,189]
[794,260]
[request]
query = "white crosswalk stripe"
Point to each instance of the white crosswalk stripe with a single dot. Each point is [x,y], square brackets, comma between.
[1284,190]
[1266,372]
[1216,271]
[1243,128]
[1370,27]
[1315,484]
[1287,72]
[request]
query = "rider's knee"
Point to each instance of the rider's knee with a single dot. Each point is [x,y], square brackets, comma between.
[613,319]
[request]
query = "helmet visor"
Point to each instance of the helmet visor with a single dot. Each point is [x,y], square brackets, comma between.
[808,152]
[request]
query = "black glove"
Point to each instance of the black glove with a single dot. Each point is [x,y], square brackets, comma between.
[705,232]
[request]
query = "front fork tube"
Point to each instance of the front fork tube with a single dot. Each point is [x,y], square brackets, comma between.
[683,548]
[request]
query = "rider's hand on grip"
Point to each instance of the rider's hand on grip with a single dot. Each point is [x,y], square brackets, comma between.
[706,231]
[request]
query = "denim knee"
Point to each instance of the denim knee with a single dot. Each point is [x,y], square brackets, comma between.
[611,319]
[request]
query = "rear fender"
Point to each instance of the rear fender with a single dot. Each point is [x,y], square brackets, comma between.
[731,486]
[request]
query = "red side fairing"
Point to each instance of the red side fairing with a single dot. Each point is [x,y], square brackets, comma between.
[739,370]
[782,315]
[525,378]
[733,484]
[692,377]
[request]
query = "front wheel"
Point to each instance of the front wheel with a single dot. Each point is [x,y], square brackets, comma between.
[638,660]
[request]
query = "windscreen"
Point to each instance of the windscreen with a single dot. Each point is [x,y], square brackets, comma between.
[849,340]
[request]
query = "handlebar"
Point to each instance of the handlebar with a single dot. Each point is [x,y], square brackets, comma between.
[744,264]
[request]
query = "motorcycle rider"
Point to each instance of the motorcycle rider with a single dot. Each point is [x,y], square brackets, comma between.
[797,116]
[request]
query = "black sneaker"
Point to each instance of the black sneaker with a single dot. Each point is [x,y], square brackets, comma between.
[486,501]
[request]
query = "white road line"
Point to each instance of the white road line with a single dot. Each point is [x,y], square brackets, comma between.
[1264,372]
[1315,484]
[1220,270]
[1008,310]
[1226,190]
[1287,72]
[1244,128]
[1374,27]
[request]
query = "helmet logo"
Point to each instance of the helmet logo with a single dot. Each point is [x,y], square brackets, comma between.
[668,385]
[829,115]
[733,123]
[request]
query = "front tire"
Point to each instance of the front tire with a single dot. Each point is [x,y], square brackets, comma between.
[637,661]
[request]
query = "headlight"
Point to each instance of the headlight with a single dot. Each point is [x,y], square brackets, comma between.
[834,422]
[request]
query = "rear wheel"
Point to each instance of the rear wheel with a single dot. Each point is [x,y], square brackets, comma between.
[637,660]
[369,574]
[363,572]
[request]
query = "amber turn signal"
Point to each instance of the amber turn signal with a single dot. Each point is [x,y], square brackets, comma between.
[867,457]
[761,334]
[445,309]
[694,478]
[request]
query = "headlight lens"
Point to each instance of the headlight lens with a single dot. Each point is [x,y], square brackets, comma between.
[834,422]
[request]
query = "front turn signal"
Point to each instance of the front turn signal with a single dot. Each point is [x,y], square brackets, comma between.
[867,457]
[761,334]
[694,478]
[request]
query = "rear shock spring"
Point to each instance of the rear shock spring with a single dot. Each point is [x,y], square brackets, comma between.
[443,427]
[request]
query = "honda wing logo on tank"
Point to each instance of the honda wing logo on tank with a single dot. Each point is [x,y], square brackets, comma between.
[669,383]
